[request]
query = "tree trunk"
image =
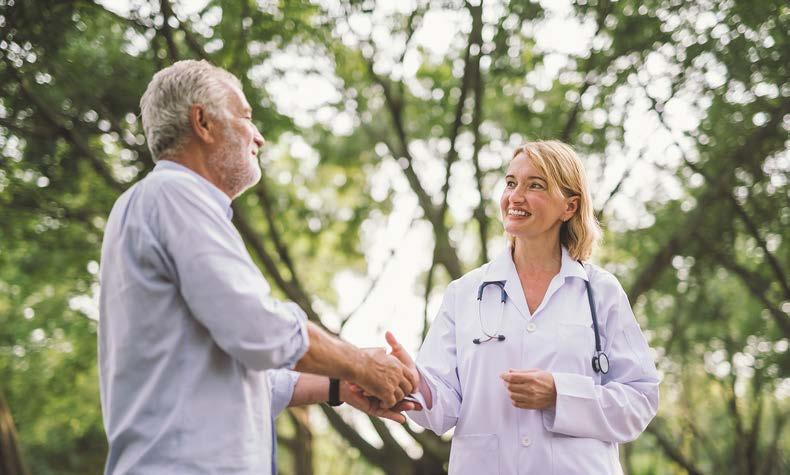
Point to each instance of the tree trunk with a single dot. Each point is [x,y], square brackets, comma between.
[303,441]
[11,462]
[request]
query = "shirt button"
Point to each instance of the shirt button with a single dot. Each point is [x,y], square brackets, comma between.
[526,442]
[531,327]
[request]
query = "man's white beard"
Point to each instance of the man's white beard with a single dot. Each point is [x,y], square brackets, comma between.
[235,167]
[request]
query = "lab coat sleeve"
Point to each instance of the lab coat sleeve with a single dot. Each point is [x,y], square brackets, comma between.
[438,367]
[620,408]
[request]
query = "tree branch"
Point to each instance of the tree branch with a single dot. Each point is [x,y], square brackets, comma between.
[471,68]
[167,31]
[604,7]
[670,449]
[375,281]
[751,226]
[371,453]
[616,189]
[65,130]
[391,446]
[743,154]
[291,289]
[754,282]
[428,287]
[431,443]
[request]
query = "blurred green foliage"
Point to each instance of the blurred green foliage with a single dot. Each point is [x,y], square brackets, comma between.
[696,217]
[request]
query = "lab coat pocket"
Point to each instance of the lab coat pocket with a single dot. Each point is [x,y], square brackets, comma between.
[581,455]
[475,454]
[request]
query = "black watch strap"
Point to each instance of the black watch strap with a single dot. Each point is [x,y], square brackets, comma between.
[334,392]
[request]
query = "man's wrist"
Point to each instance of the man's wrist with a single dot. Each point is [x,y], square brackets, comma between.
[357,366]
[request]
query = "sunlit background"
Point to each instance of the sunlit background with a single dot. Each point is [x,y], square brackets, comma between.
[388,127]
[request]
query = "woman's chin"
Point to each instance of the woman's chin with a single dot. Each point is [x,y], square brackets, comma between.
[516,226]
[515,232]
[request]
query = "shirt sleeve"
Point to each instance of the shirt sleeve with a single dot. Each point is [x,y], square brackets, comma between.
[436,363]
[282,382]
[620,408]
[220,284]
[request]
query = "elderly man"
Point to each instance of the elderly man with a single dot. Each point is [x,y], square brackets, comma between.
[188,325]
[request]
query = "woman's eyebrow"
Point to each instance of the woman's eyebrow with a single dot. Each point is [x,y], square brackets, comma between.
[532,177]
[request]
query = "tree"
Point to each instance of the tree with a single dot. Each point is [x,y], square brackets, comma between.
[11,462]
[679,108]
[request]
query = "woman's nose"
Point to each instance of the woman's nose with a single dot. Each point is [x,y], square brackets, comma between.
[517,196]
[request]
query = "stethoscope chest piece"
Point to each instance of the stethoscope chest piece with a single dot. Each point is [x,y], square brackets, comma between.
[600,363]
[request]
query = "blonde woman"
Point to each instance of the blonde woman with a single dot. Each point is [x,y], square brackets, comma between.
[535,358]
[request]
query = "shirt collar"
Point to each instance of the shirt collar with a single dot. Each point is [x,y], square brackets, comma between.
[218,195]
[503,267]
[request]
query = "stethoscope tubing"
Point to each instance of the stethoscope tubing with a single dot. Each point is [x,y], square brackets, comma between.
[600,362]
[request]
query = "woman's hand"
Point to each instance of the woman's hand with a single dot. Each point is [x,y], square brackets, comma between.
[399,352]
[530,389]
[355,397]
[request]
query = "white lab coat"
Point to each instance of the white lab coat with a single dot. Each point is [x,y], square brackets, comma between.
[593,412]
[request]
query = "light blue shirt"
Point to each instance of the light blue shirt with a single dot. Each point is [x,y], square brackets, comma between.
[594,412]
[187,327]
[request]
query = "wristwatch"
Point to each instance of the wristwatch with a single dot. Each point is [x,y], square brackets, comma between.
[334,393]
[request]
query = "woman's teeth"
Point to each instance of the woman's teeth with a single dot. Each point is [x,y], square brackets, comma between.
[517,212]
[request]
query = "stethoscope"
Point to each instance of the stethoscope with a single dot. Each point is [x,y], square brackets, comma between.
[600,362]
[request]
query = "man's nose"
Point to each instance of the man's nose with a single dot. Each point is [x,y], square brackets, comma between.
[258,139]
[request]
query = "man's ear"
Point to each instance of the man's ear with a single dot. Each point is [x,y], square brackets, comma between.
[571,207]
[202,125]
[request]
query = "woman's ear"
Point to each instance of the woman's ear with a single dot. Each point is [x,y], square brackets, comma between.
[571,206]
[202,127]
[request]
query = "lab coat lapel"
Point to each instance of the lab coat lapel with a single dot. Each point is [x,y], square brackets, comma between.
[502,268]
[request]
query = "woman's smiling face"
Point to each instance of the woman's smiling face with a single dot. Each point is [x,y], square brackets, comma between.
[528,208]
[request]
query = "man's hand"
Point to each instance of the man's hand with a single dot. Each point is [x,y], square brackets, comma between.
[530,389]
[384,377]
[352,394]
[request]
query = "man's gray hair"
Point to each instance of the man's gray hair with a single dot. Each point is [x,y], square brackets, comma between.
[170,95]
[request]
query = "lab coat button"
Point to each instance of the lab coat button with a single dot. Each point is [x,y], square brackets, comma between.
[526,442]
[532,327]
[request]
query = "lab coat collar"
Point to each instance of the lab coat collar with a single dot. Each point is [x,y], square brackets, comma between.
[571,267]
[503,268]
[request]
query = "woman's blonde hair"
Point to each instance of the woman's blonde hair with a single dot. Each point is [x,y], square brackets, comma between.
[565,174]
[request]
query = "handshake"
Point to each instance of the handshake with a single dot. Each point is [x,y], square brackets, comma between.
[382,381]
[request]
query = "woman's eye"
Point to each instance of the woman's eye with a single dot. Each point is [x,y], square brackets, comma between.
[536,186]
[511,184]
